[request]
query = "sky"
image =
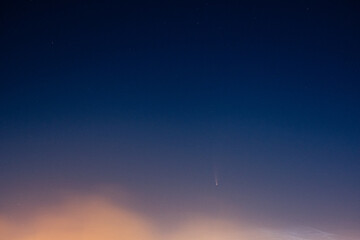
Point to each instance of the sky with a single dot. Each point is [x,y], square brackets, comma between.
[245,110]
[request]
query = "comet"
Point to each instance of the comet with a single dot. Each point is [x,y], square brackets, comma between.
[216,177]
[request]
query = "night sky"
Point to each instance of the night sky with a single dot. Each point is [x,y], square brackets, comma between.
[162,99]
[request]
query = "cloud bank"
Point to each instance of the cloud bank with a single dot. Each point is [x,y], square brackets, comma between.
[98,218]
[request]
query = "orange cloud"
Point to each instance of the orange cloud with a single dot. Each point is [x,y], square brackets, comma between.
[83,219]
[97,218]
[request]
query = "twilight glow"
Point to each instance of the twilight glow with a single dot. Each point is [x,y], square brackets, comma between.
[96,218]
[179,120]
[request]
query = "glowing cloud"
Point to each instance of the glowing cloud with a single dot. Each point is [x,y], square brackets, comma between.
[97,218]
[85,219]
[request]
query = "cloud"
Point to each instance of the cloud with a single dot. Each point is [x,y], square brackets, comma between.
[213,229]
[86,218]
[99,218]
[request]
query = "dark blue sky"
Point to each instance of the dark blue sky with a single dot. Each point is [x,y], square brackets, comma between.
[151,97]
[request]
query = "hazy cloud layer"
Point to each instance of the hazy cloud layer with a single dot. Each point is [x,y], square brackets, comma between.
[97,218]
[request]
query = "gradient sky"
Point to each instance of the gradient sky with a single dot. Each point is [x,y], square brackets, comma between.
[153,98]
